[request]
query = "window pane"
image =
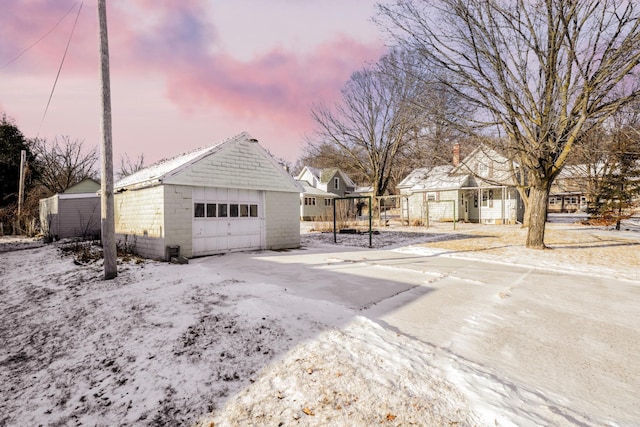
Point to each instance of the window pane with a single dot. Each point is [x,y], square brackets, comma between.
[211,210]
[198,210]
[253,211]
[222,210]
[244,210]
[233,211]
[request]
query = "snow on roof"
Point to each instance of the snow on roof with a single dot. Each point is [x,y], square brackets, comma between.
[364,189]
[437,177]
[158,171]
[441,181]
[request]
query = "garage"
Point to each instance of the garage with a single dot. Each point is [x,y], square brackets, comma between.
[227,219]
[224,197]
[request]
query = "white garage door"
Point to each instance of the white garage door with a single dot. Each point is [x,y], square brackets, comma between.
[226,219]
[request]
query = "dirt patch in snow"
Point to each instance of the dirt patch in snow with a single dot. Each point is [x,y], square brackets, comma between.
[148,348]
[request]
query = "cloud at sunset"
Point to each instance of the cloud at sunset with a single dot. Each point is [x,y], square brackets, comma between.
[176,42]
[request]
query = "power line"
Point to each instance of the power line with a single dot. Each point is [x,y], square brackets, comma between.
[40,39]
[60,68]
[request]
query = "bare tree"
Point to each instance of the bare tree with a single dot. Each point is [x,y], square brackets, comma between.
[373,121]
[128,167]
[539,72]
[63,163]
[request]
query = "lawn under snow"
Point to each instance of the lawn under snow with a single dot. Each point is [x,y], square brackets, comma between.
[431,328]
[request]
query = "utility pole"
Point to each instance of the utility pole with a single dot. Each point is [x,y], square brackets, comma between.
[107,216]
[23,161]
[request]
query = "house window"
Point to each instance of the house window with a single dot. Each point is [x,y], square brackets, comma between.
[431,197]
[485,198]
[253,211]
[211,210]
[222,210]
[336,183]
[234,210]
[573,200]
[198,210]
[310,201]
[552,200]
[327,202]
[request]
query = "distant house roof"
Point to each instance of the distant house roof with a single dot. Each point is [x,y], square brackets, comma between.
[324,175]
[415,176]
[309,190]
[436,178]
[364,189]
[327,174]
[87,185]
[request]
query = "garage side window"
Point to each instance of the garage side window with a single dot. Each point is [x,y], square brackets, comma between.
[211,210]
[198,210]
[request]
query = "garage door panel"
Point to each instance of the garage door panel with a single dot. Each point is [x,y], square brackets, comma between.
[220,234]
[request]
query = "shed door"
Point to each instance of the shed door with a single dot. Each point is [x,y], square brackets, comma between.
[227,219]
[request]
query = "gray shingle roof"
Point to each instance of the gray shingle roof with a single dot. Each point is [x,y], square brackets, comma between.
[158,171]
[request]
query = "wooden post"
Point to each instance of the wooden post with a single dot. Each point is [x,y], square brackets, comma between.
[106,200]
[23,160]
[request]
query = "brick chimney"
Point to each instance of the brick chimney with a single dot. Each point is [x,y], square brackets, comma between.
[456,154]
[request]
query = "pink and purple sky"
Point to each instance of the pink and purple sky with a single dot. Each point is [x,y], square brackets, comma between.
[184,73]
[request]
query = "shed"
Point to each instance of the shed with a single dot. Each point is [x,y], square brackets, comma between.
[74,212]
[228,196]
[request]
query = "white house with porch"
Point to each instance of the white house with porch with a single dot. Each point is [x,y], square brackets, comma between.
[481,188]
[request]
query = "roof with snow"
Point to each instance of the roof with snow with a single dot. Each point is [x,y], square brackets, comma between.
[159,171]
[433,179]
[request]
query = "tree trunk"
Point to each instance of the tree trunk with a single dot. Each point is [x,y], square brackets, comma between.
[525,202]
[538,199]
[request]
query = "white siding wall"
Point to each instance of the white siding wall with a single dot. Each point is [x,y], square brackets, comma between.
[498,211]
[310,213]
[443,208]
[308,176]
[178,203]
[139,221]
[49,215]
[415,210]
[239,165]
[282,222]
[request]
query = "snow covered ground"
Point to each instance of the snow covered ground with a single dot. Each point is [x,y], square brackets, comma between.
[429,328]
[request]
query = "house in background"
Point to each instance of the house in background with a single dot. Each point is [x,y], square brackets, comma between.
[74,212]
[228,196]
[321,186]
[315,203]
[568,193]
[433,194]
[481,188]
